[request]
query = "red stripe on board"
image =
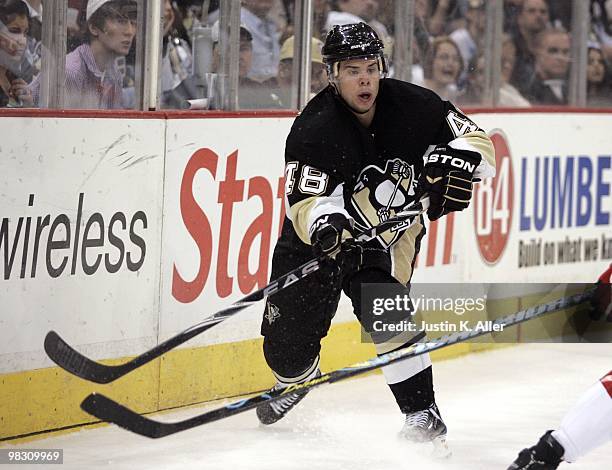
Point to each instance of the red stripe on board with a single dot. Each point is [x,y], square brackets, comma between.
[77,113]
[119,114]
[607,383]
[273,113]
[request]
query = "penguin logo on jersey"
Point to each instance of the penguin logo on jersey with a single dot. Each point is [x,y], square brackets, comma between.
[379,194]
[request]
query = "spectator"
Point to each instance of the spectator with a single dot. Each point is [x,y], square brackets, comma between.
[509,96]
[442,68]
[93,80]
[549,85]
[255,15]
[599,91]
[251,93]
[469,39]
[176,55]
[359,11]
[532,19]
[474,88]
[14,26]
[318,75]
[92,77]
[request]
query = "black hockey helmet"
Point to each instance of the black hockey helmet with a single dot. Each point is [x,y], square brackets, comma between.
[352,41]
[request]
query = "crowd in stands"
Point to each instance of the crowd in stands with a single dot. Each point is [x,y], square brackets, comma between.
[448,50]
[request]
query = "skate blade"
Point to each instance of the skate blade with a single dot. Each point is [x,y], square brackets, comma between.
[441,450]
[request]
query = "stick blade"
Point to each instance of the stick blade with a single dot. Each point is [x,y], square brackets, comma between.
[110,411]
[74,362]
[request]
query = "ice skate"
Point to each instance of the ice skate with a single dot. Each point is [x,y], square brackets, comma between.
[545,455]
[427,426]
[271,412]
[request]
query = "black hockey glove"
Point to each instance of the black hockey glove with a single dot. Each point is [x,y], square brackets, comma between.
[350,257]
[328,233]
[447,178]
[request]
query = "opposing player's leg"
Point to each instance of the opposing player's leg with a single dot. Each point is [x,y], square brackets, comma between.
[589,423]
[294,322]
[586,426]
[411,381]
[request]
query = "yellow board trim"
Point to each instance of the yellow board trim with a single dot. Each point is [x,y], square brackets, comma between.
[46,399]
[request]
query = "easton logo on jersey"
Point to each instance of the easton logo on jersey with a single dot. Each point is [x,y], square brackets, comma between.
[379,194]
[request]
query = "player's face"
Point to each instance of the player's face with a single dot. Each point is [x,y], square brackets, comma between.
[595,66]
[358,81]
[554,55]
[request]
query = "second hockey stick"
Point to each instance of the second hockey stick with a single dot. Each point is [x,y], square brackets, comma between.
[110,411]
[69,359]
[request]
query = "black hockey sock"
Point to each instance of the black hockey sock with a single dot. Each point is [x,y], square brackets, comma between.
[415,393]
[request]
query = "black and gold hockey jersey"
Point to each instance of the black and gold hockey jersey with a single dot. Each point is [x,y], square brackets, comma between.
[334,164]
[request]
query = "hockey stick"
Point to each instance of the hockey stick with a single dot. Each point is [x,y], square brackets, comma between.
[110,411]
[76,363]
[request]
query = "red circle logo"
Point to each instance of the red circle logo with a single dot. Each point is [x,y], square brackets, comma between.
[493,203]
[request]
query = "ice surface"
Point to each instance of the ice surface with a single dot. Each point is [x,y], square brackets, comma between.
[494,403]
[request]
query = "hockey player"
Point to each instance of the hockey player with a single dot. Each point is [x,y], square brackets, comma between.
[355,156]
[589,423]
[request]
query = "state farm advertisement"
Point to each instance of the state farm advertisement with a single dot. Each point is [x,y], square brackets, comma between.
[545,217]
[223,209]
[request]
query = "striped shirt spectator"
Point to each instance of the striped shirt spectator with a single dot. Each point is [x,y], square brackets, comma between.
[89,87]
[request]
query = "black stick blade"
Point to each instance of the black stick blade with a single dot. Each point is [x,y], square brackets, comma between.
[110,411]
[74,362]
